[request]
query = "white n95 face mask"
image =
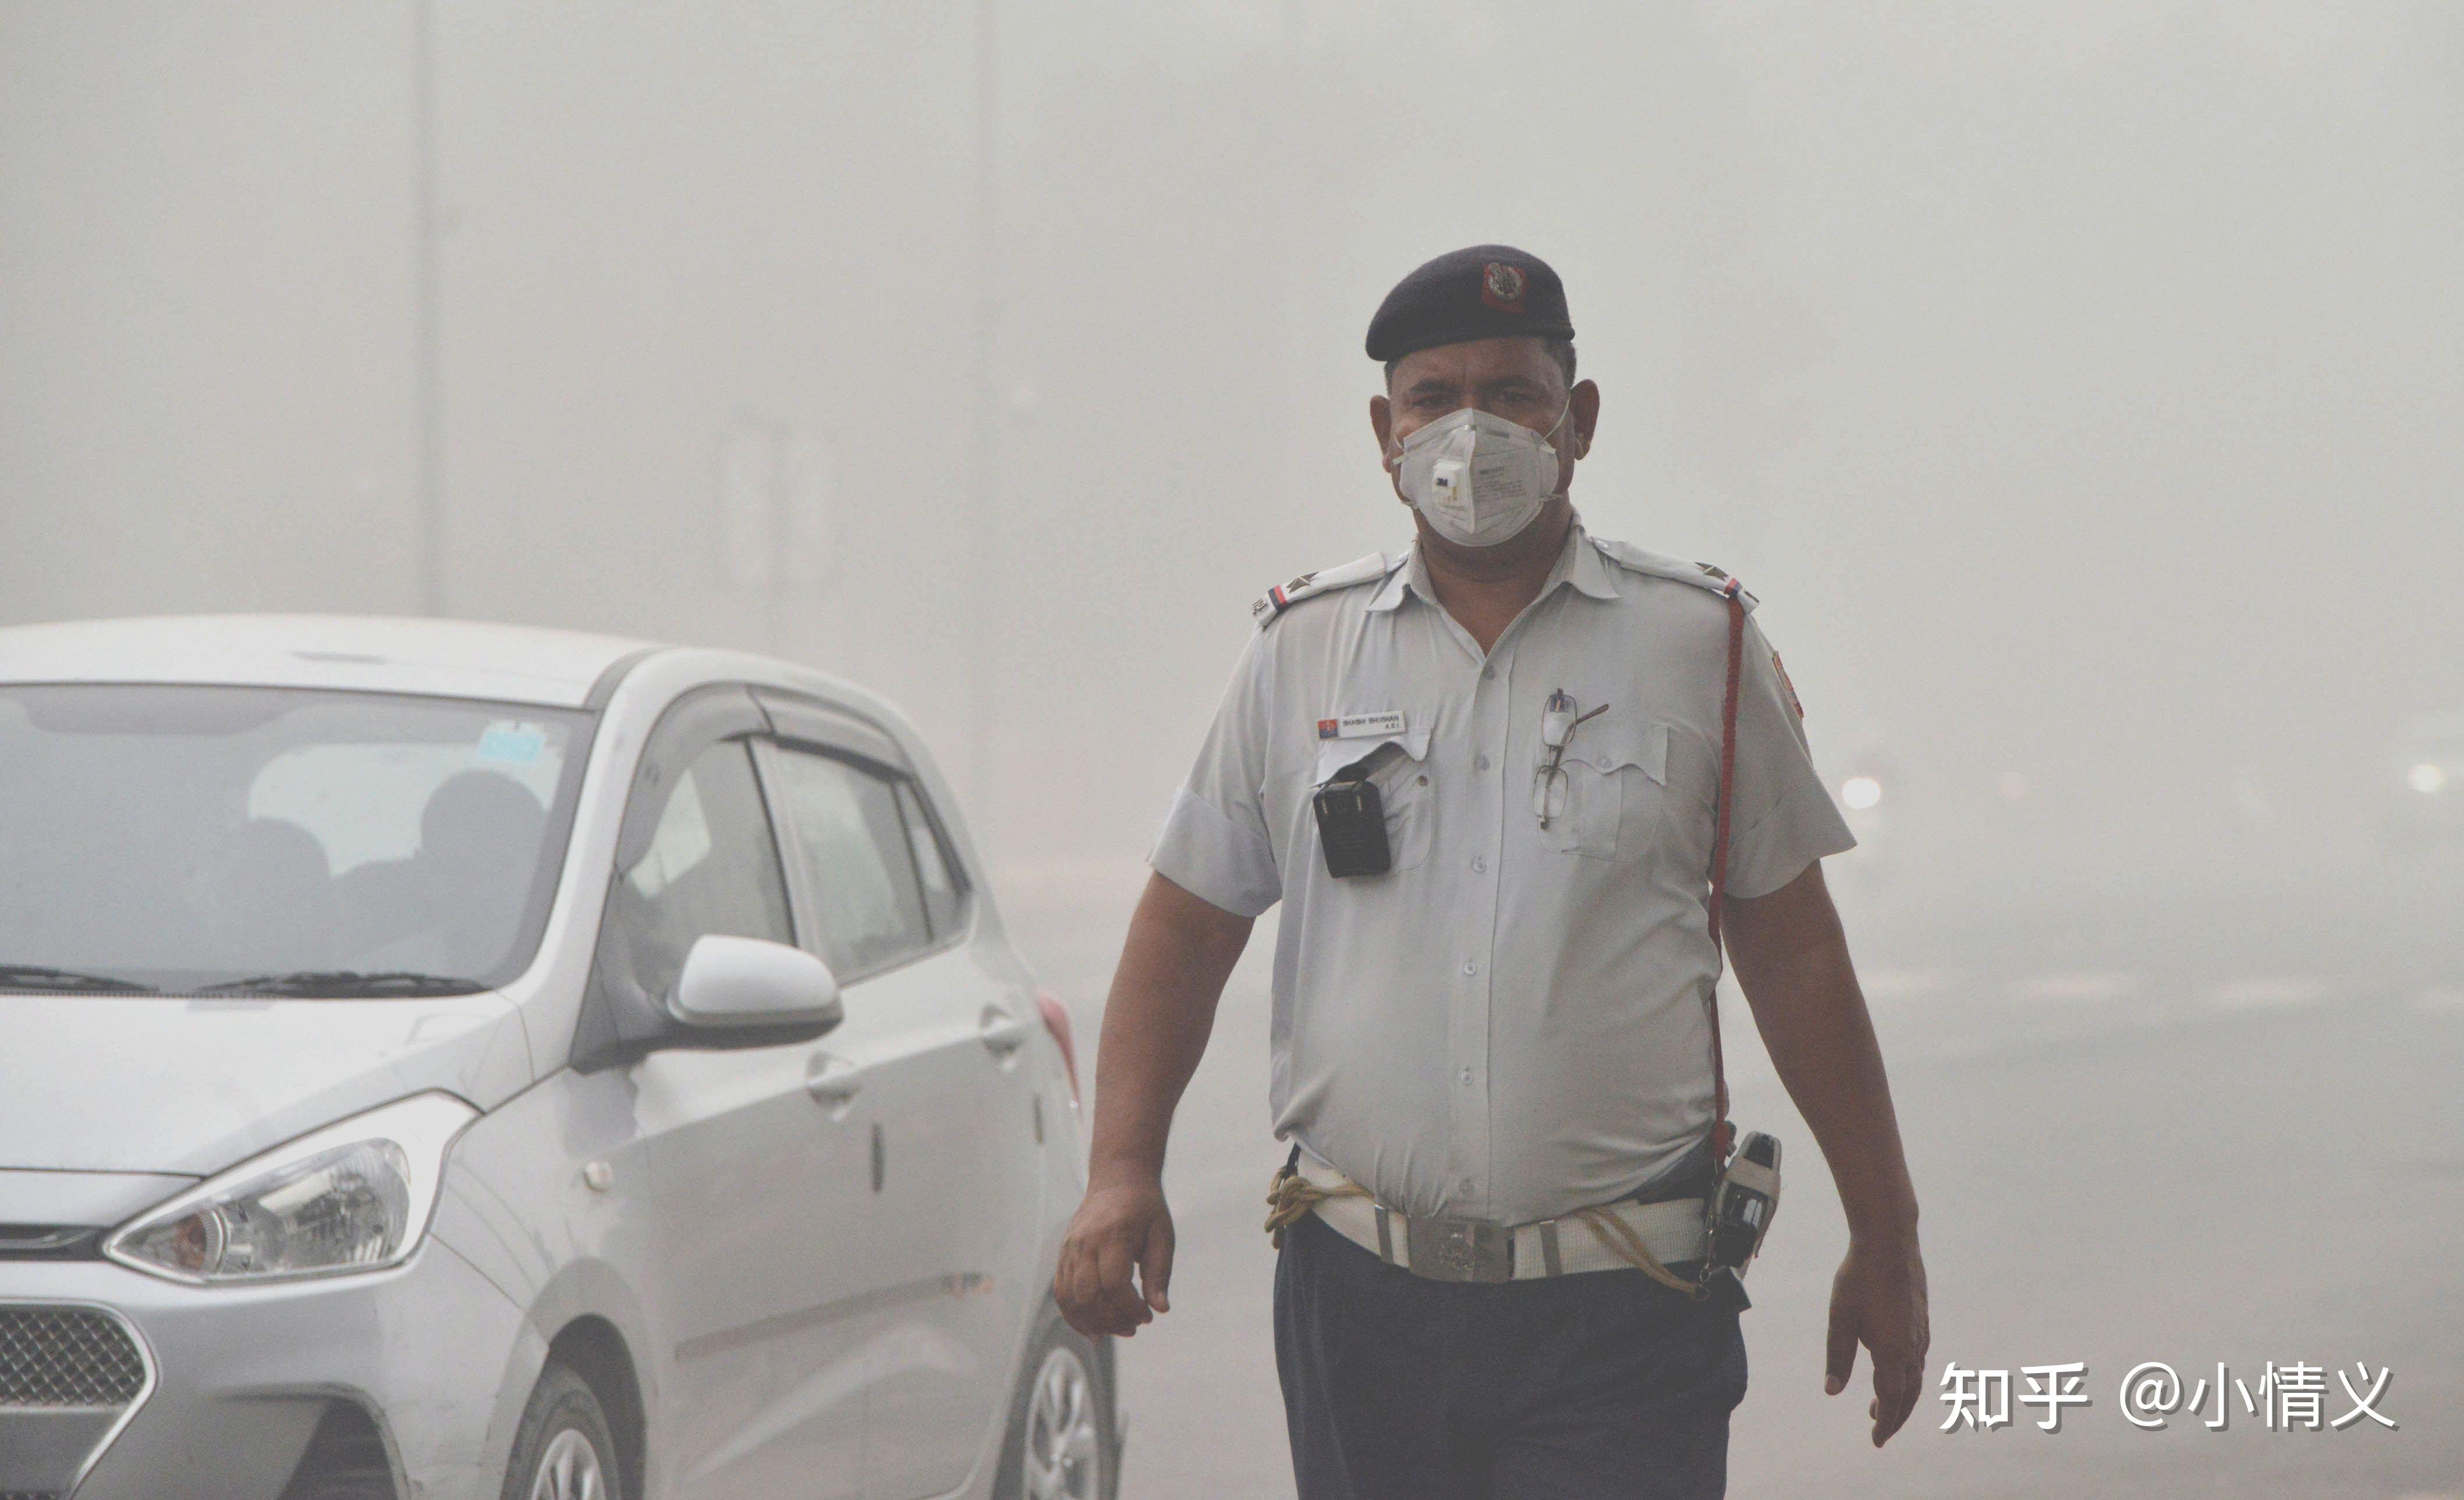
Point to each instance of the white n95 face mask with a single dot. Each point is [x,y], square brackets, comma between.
[1479,478]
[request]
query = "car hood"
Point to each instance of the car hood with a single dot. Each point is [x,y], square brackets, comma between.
[112,1083]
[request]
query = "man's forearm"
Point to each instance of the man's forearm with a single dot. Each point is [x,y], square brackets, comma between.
[1792,961]
[1179,951]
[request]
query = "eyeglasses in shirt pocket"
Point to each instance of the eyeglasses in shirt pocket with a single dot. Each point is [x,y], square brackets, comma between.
[1616,769]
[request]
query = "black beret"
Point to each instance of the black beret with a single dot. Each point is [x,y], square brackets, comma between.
[1485,291]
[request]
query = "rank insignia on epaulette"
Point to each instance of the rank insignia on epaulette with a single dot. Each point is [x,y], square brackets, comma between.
[1786,686]
[1676,570]
[1325,580]
[1277,600]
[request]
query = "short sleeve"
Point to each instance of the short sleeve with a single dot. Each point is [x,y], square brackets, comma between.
[1215,844]
[1783,819]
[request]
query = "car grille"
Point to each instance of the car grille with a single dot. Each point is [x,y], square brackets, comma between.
[67,1356]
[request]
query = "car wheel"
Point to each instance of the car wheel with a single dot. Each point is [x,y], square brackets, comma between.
[562,1450]
[1061,1438]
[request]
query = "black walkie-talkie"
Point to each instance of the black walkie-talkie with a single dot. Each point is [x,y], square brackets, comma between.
[1352,824]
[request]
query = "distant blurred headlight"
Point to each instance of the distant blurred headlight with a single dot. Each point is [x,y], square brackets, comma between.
[1860,792]
[353,1196]
[2429,778]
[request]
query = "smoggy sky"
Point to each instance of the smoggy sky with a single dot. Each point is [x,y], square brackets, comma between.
[2075,384]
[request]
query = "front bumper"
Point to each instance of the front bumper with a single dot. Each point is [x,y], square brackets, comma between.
[238,1380]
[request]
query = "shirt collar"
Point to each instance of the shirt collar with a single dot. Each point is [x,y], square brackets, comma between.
[1579,565]
[1585,568]
[1411,574]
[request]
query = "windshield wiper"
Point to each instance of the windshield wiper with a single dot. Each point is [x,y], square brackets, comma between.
[344,984]
[37,976]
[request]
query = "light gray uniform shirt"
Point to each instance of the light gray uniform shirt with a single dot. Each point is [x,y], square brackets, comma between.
[1511,1024]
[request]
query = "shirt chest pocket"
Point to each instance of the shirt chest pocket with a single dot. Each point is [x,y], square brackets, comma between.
[1398,768]
[1604,802]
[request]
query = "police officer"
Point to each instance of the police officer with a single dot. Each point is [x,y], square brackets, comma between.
[1493,1047]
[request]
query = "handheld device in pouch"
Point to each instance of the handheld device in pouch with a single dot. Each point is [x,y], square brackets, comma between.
[1352,824]
[1740,1215]
[1748,1194]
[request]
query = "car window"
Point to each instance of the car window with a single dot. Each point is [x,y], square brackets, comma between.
[943,895]
[275,840]
[365,803]
[712,867]
[851,840]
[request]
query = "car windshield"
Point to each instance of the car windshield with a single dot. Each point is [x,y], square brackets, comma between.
[276,841]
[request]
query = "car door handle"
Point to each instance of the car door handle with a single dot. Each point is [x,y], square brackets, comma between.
[1001,1033]
[833,1082]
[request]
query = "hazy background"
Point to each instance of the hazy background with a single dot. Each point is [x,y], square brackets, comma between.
[2074,383]
[2077,384]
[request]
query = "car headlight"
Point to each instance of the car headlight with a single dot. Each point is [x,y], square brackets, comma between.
[355,1195]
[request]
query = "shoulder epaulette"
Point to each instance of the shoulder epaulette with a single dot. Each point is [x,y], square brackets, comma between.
[1659,564]
[1309,585]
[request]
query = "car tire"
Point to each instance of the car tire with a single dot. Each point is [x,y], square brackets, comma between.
[564,1450]
[1063,1439]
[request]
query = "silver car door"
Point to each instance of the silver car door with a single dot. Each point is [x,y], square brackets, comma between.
[747,1156]
[958,1207]
[940,1044]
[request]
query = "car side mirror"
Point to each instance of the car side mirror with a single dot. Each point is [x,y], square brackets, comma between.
[749,982]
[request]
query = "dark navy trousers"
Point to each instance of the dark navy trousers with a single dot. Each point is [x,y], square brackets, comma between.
[1603,1385]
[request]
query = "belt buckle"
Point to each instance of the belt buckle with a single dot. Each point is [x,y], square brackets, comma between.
[1461,1249]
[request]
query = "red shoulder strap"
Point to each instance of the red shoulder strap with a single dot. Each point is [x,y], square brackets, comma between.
[1724,1135]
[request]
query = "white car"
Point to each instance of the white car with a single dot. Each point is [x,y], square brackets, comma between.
[443,1060]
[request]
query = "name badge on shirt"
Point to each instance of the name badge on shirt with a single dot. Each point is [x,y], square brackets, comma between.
[1359,726]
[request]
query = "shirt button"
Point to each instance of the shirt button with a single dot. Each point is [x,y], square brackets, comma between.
[1470,967]
[1480,762]
[1489,675]
[1480,864]
[1466,1077]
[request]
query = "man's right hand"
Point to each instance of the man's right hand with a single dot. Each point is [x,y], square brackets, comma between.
[1119,1227]
[1172,966]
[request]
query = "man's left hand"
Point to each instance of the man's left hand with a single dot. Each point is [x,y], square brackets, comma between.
[1879,1300]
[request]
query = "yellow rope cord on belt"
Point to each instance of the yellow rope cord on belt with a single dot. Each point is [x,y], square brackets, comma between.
[1621,1241]
[1291,1197]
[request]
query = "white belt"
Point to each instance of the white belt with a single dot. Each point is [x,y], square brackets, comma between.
[1465,1249]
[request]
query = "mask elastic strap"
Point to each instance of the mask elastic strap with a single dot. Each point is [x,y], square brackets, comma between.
[1550,437]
